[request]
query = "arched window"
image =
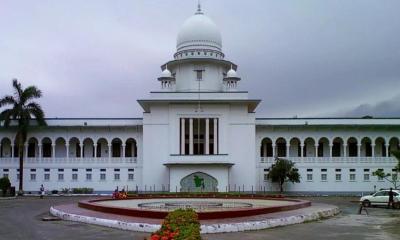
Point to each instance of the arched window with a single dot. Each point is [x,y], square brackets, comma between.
[295,148]
[46,147]
[102,148]
[380,148]
[353,147]
[131,148]
[393,145]
[281,147]
[337,147]
[366,147]
[266,148]
[323,147]
[5,147]
[32,147]
[309,147]
[116,146]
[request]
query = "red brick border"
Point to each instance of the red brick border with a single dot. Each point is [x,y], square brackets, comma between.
[145,213]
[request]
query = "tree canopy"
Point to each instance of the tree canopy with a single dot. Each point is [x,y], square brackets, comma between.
[22,111]
[392,178]
[283,171]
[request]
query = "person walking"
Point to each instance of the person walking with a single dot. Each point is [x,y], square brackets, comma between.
[115,193]
[41,191]
[391,198]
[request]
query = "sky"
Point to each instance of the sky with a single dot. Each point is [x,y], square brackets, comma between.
[308,58]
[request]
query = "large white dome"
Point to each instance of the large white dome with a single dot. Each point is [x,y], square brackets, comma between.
[199,32]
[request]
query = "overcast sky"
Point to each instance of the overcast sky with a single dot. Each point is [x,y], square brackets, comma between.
[305,58]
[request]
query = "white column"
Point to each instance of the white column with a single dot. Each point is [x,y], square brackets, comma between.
[95,150]
[273,150]
[359,150]
[373,150]
[191,136]
[53,150]
[344,150]
[316,150]
[40,150]
[26,150]
[264,148]
[207,137]
[302,150]
[387,150]
[12,150]
[287,149]
[81,145]
[109,150]
[330,150]
[182,136]
[123,150]
[134,149]
[67,148]
[216,137]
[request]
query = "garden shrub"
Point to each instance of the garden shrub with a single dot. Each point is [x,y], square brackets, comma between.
[82,190]
[4,185]
[181,224]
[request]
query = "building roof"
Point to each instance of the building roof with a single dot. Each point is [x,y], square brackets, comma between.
[199,32]
[328,121]
[93,122]
[251,103]
[127,122]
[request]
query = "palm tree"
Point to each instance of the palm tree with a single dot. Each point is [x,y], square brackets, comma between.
[19,117]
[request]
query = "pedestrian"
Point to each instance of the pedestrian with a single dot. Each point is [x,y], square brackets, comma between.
[41,191]
[115,193]
[391,200]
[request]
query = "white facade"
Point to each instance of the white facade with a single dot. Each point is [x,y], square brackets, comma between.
[199,122]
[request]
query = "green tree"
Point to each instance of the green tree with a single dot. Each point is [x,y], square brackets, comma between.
[282,171]
[20,116]
[392,178]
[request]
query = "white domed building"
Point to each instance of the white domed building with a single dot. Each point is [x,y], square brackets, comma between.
[199,132]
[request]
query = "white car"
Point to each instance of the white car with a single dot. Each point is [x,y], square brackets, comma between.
[380,198]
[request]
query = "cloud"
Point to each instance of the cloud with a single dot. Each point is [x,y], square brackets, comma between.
[386,108]
[95,58]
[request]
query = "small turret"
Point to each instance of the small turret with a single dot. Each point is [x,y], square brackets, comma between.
[167,79]
[231,79]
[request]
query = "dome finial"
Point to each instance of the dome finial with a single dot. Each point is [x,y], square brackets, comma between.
[199,8]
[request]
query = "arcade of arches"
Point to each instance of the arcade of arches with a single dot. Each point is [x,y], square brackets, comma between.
[73,148]
[324,147]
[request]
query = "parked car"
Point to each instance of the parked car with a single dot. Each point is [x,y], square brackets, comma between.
[380,198]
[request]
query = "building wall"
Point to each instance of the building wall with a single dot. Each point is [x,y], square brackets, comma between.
[58,164]
[155,147]
[186,78]
[239,144]
[343,165]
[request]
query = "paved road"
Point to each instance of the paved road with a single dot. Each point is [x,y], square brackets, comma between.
[21,219]
[380,224]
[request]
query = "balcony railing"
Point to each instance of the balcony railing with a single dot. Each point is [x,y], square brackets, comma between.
[63,160]
[271,160]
